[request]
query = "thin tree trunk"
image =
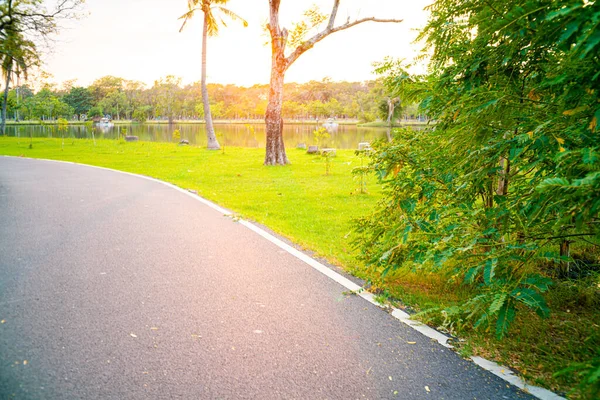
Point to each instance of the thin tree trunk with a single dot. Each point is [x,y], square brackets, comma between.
[565,252]
[504,165]
[5,102]
[211,138]
[391,107]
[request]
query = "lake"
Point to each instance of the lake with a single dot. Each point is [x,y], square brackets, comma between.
[239,135]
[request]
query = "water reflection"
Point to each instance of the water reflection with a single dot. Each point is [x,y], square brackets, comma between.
[239,135]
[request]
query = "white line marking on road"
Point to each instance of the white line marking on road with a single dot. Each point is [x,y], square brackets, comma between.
[496,369]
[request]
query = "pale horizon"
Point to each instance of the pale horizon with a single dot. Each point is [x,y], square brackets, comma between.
[148,46]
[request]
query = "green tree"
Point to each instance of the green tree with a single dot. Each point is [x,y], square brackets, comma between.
[102,87]
[80,98]
[17,56]
[168,102]
[47,105]
[114,103]
[509,178]
[33,18]
[210,28]
[22,22]
[95,112]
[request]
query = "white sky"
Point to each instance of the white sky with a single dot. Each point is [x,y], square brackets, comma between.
[140,40]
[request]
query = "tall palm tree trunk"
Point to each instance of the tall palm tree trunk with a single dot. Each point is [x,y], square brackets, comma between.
[5,102]
[213,144]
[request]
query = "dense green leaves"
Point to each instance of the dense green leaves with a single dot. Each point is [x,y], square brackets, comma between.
[509,178]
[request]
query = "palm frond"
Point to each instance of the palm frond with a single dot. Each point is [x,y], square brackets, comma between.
[233,16]
[185,17]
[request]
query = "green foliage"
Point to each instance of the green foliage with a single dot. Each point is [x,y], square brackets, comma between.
[96,112]
[361,172]
[176,134]
[312,19]
[129,99]
[115,103]
[46,105]
[140,115]
[512,168]
[80,99]
[321,134]
[589,374]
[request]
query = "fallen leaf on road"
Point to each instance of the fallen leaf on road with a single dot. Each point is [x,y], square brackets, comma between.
[390,378]
[3,321]
[133,335]
[154,328]
[427,388]
[25,362]
[411,342]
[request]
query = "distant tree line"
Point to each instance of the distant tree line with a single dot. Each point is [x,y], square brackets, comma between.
[167,99]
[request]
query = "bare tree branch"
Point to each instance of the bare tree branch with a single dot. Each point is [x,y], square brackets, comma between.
[328,31]
[334,10]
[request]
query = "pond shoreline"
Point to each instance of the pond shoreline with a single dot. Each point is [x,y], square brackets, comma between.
[376,124]
[250,134]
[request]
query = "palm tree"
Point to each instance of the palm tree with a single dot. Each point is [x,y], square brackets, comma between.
[211,28]
[17,55]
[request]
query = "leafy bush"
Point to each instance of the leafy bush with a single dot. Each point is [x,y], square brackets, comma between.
[509,177]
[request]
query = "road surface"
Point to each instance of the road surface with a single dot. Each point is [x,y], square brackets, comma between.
[117,287]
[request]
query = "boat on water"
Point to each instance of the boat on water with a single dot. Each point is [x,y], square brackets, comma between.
[330,124]
[104,123]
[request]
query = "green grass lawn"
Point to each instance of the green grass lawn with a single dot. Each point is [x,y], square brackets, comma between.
[298,201]
[316,211]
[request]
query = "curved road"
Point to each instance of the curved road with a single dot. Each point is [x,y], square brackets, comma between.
[117,287]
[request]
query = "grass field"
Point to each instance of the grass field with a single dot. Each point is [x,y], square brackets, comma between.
[316,211]
[299,201]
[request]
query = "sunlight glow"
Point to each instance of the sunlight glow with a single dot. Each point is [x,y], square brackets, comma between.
[139,40]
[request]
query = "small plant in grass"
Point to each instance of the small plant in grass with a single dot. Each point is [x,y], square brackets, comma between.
[90,125]
[121,135]
[327,156]
[176,135]
[361,172]
[320,135]
[62,128]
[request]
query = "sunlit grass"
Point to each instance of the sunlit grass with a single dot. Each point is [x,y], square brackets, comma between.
[298,201]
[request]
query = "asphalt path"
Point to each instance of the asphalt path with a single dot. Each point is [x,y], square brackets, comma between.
[116,287]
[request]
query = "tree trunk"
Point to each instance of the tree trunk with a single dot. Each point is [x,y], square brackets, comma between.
[504,165]
[565,252]
[391,108]
[275,149]
[5,102]
[211,138]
